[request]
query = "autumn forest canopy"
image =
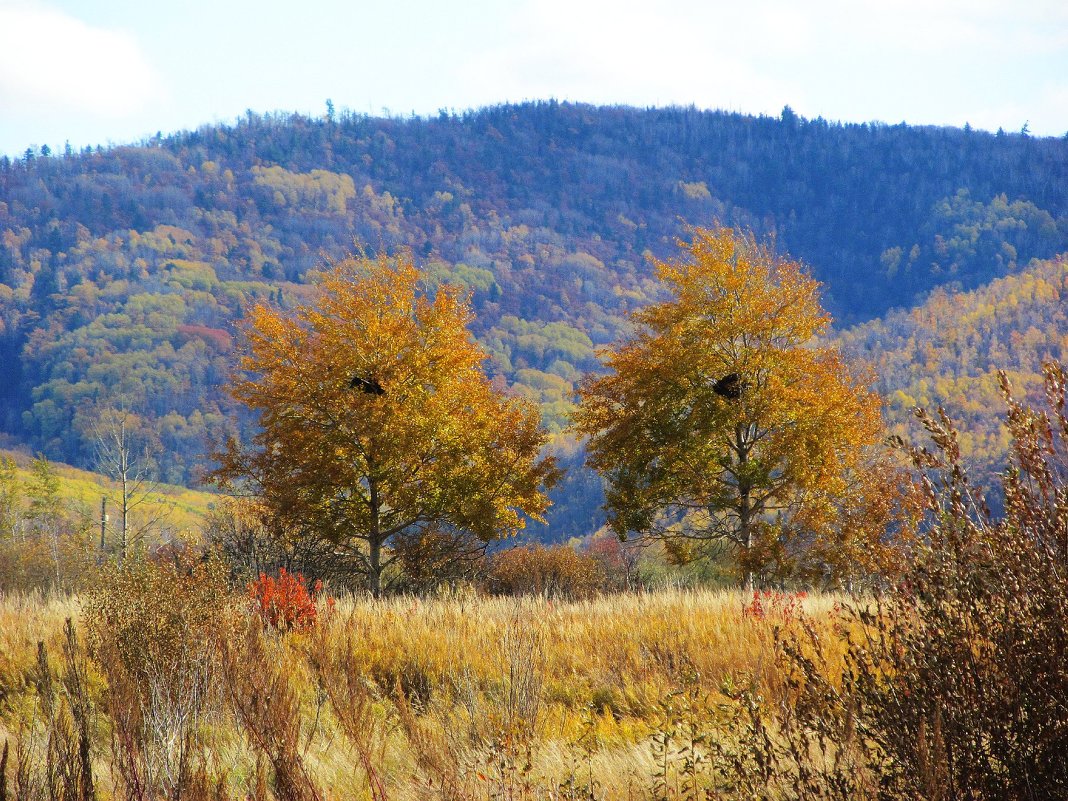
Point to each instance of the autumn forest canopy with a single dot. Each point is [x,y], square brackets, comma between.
[124,270]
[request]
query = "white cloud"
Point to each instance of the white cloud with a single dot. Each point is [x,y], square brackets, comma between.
[923,27]
[640,53]
[52,63]
[925,61]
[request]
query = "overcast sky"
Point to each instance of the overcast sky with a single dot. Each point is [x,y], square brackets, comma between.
[113,71]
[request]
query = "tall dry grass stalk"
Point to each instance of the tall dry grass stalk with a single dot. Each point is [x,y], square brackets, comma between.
[155,633]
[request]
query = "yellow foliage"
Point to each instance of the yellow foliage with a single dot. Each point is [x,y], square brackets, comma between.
[318,190]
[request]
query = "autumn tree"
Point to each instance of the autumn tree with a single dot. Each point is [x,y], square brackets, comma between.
[722,418]
[378,422]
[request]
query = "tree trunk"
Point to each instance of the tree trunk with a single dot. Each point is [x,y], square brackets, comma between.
[374,543]
[125,511]
[746,532]
[745,509]
[124,477]
[375,563]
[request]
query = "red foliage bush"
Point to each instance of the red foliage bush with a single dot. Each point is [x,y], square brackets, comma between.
[784,607]
[285,603]
[618,561]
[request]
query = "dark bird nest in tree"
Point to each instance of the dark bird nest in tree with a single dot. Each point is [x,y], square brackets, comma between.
[731,386]
[365,384]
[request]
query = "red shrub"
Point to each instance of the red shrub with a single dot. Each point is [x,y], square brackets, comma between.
[285,602]
[782,607]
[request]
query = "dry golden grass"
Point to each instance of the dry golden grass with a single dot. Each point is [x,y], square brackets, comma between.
[486,696]
[24,621]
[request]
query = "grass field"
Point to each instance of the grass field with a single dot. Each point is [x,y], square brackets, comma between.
[457,697]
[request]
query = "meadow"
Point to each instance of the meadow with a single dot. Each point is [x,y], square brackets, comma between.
[459,696]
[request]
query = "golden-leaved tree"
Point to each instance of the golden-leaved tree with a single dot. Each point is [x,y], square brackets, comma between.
[723,419]
[378,423]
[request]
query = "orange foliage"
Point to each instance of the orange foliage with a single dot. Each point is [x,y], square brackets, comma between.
[216,337]
[378,421]
[285,603]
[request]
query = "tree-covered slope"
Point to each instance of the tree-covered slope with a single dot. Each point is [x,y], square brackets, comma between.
[124,269]
[947,351]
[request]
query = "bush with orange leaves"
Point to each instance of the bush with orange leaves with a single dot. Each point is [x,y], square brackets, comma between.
[285,603]
[558,571]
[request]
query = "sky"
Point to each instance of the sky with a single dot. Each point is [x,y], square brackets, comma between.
[105,72]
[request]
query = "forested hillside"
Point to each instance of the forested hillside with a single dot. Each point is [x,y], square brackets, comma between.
[124,269]
[947,351]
